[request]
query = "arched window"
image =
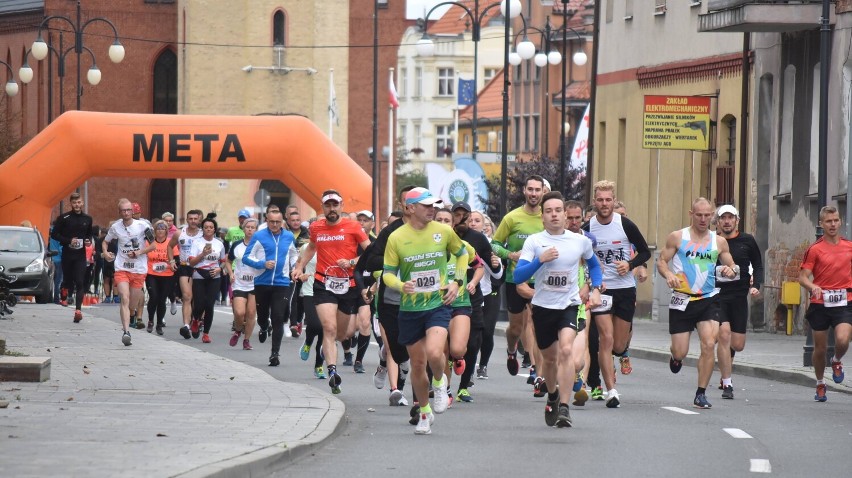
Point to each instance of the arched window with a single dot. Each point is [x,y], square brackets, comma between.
[165,83]
[278,24]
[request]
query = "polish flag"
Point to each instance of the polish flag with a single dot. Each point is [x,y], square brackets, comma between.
[392,94]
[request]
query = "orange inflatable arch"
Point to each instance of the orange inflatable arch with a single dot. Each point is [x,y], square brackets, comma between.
[80,145]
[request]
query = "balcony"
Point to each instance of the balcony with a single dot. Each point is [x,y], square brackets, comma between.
[761,16]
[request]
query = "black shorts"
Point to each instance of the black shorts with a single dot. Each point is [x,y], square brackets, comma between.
[413,325]
[185,270]
[734,309]
[821,317]
[243,293]
[696,311]
[623,304]
[515,304]
[347,303]
[464,310]
[108,269]
[549,322]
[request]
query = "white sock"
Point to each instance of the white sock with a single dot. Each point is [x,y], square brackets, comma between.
[726,382]
[835,359]
[820,382]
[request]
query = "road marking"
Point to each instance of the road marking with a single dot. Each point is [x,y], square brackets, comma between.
[760,466]
[736,433]
[680,410]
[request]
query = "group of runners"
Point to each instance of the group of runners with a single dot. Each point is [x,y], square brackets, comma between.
[430,276]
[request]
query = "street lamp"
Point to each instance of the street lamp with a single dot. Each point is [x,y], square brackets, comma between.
[509,9]
[11,86]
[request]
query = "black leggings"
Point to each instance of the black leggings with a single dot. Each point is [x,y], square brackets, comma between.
[313,327]
[489,309]
[74,274]
[204,293]
[389,319]
[594,377]
[296,303]
[273,301]
[159,287]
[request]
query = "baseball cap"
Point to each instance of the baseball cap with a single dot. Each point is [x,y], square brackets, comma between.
[244,213]
[421,196]
[546,184]
[461,205]
[137,209]
[365,212]
[331,196]
[727,209]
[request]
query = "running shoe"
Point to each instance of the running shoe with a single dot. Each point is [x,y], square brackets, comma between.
[319,373]
[728,392]
[458,366]
[701,401]
[551,412]
[274,361]
[262,334]
[205,338]
[837,372]
[150,326]
[675,365]
[580,397]
[63,297]
[347,359]
[626,367]
[159,329]
[612,399]
[563,420]
[441,401]
[465,396]
[578,382]
[482,373]
[78,316]
[512,363]
[395,397]
[402,401]
[246,344]
[532,377]
[380,376]
[235,338]
[294,331]
[414,413]
[173,308]
[184,332]
[721,387]
[424,424]
[526,362]
[139,324]
[597,393]
[539,387]
[305,351]
[194,326]
[287,332]
[334,382]
[820,393]
[125,339]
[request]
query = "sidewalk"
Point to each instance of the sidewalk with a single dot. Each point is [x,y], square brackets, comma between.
[769,356]
[156,408]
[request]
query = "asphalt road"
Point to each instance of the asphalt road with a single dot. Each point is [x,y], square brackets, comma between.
[769,427]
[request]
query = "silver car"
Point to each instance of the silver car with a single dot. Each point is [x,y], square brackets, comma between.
[23,254]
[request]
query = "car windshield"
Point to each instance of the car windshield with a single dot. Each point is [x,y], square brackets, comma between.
[19,241]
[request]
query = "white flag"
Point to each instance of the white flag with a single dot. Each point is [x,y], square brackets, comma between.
[333,113]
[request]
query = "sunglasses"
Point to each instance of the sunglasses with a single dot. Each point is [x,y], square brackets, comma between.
[162,226]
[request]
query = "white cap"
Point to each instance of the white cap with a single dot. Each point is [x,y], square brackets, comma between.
[365,212]
[331,197]
[546,184]
[728,209]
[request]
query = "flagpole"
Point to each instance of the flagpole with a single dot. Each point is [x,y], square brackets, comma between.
[391,147]
[331,101]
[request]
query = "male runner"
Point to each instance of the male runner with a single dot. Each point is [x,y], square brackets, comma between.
[573,222]
[71,230]
[826,273]
[733,295]
[335,241]
[301,237]
[235,233]
[694,304]
[553,257]
[184,239]
[419,252]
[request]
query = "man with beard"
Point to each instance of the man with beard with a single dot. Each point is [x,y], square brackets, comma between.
[71,230]
[184,239]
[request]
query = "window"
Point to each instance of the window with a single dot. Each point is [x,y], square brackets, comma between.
[417,134]
[659,7]
[278,33]
[628,10]
[518,69]
[418,82]
[785,163]
[731,127]
[535,119]
[446,76]
[813,184]
[443,141]
[517,129]
[402,86]
[526,133]
[402,139]
[489,74]
[382,3]
[499,141]
[537,72]
[165,83]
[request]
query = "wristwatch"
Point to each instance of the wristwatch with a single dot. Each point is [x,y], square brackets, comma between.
[596,287]
[459,282]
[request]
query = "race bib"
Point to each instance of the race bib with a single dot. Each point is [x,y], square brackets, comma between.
[722,278]
[679,301]
[557,281]
[426,281]
[160,267]
[834,298]
[76,244]
[337,285]
[247,278]
[129,265]
[606,304]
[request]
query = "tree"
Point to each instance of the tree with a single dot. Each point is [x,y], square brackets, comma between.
[406,173]
[575,178]
[9,141]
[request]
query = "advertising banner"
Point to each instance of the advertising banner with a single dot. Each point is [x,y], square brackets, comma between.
[676,122]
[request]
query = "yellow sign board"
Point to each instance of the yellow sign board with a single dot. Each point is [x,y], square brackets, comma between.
[676,122]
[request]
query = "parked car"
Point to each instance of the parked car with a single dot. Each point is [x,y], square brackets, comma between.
[23,253]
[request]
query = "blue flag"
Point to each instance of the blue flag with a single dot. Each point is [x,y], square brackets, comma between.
[467,92]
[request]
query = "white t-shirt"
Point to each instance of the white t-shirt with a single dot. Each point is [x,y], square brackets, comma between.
[556,281]
[613,246]
[243,274]
[130,238]
[211,260]
[185,243]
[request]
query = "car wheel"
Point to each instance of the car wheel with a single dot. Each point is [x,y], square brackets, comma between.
[44,298]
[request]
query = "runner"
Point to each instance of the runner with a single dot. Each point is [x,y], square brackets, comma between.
[172,230]
[71,230]
[553,257]
[131,260]
[490,291]
[733,295]
[693,252]
[160,279]
[419,252]
[243,304]
[301,235]
[137,308]
[616,237]
[235,233]
[580,350]
[184,240]
[513,230]
[363,319]
[826,273]
[313,327]
[335,241]
[206,258]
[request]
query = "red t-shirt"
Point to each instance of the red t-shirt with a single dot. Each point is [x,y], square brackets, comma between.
[335,242]
[831,265]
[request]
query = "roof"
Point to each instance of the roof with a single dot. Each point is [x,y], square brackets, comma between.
[574,91]
[578,12]
[456,20]
[20,6]
[490,105]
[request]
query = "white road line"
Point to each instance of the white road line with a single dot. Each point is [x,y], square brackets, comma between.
[736,433]
[680,410]
[760,466]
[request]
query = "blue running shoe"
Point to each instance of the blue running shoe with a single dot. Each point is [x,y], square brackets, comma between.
[304,351]
[820,393]
[578,383]
[837,372]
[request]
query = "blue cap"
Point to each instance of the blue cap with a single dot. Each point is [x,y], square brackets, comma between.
[244,213]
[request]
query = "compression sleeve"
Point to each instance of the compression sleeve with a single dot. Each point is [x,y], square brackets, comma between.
[643,254]
[525,269]
[595,272]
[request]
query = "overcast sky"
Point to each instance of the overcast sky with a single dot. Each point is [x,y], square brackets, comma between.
[415,9]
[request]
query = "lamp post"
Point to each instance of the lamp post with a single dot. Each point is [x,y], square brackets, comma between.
[11,86]
[509,9]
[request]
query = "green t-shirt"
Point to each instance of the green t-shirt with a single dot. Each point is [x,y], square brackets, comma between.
[235,234]
[510,235]
[422,255]
[463,299]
